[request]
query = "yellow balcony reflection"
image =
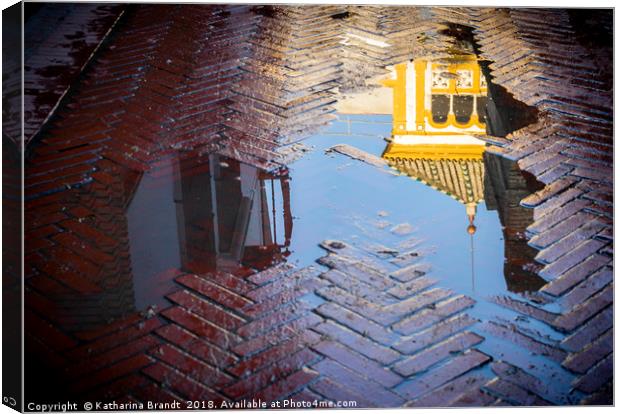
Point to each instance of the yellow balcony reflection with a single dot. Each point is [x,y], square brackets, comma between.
[438,98]
[438,108]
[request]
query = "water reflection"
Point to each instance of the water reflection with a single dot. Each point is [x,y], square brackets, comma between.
[197,214]
[212,214]
[438,109]
[504,187]
[440,97]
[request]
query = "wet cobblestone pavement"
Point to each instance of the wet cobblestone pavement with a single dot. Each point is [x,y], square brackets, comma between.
[192,100]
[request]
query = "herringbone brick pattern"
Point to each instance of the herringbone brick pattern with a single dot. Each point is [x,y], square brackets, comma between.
[184,81]
[570,150]
[353,333]
[58,42]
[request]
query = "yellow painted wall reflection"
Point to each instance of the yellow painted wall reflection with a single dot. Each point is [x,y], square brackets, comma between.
[419,86]
[436,115]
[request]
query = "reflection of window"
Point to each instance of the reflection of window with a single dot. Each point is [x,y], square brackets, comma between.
[440,107]
[481,108]
[463,107]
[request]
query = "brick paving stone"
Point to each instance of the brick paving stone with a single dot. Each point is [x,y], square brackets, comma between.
[306,396]
[267,276]
[206,310]
[82,248]
[600,196]
[542,156]
[71,279]
[291,280]
[587,288]
[280,369]
[107,358]
[545,194]
[554,161]
[406,274]
[597,376]
[427,298]
[602,396]
[434,333]
[450,392]
[217,293]
[434,314]
[511,392]
[584,311]
[357,287]
[567,244]
[335,391]
[145,105]
[357,342]
[589,331]
[115,339]
[525,381]
[556,202]
[357,362]
[558,216]
[275,353]
[593,174]
[565,263]
[361,306]
[204,373]
[199,326]
[455,367]
[287,386]
[180,383]
[283,297]
[606,234]
[377,395]
[562,229]
[554,173]
[580,362]
[511,333]
[282,332]
[526,309]
[357,323]
[357,270]
[272,320]
[196,346]
[112,372]
[411,288]
[477,398]
[575,275]
[234,283]
[430,356]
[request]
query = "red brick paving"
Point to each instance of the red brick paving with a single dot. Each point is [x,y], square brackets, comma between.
[384,340]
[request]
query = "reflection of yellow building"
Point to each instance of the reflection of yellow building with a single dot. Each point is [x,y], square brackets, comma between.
[438,107]
[438,98]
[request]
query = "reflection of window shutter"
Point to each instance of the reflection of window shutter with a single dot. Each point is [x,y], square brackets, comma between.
[440,107]
[463,106]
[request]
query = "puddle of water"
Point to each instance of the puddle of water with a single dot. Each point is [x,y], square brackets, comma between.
[462,204]
[204,215]
[334,197]
[443,199]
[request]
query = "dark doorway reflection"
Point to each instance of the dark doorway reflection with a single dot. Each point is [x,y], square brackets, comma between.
[205,215]
[505,185]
